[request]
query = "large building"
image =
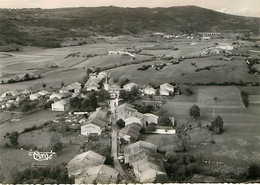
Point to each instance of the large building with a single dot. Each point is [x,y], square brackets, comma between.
[96,123]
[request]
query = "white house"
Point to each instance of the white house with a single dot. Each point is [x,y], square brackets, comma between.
[61,105]
[43,93]
[131,120]
[129,86]
[35,96]
[149,91]
[96,123]
[151,118]
[91,129]
[166,89]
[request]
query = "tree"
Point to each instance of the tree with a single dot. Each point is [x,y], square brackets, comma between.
[44,85]
[26,76]
[217,125]
[182,137]
[13,137]
[253,172]
[164,120]
[195,111]
[103,95]
[120,123]
[109,160]
[26,107]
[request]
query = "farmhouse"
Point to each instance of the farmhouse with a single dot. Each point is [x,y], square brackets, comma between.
[131,120]
[61,105]
[140,146]
[94,80]
[151,118]
[129,86]
[101,174]
[130,133]
[125,111]
[73,88]
[166,89]
[60,95]
[35,96]
[95,124]
[148,169]
[83,161]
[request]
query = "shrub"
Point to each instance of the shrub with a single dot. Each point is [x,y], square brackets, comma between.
[244,97]
[120,123]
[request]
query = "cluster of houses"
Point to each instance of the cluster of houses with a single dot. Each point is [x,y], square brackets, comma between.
[13,98]
[59,100]
[89,168]
[166,89]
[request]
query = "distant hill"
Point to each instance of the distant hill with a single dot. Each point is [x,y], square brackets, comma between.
[47,27]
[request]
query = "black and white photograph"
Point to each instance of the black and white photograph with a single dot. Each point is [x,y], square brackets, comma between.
[129,91]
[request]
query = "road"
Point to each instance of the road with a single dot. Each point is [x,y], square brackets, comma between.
[114,147]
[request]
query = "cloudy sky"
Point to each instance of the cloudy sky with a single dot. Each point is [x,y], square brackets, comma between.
[238,7]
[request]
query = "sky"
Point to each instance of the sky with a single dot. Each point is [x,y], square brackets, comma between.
[237,7]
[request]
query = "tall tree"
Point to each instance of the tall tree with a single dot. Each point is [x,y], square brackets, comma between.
[44,85]
[217,125]
[195,111]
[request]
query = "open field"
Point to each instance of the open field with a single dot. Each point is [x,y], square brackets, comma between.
[221,71]
[226,97]
[238,146]
[27,121]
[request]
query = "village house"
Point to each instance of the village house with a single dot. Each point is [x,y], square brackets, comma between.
[131,120]
[9,104]
[44,93]
[26,92]
[73,88]
[94,80]
[146,162]
[101,174]
[129,86]
[130,133]
[166,89]
[60,95]
[13,93]
[35,96]
[148,168]
[149,90]
[61,105]
[83,161]
[139,146]
[125,111]
[151,118]
[89,168]
[96,123]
